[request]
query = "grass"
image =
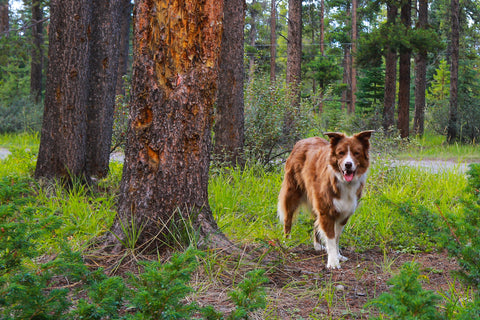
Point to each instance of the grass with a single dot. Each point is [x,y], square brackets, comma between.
[401,208]
[435,147]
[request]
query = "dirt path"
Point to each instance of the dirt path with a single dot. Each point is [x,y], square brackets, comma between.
[4,153]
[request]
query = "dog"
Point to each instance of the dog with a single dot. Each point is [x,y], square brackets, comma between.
[328,177]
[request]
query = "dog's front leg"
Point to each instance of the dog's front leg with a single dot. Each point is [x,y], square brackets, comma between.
[326,229]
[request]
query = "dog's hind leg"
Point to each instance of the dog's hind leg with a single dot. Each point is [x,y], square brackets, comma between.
[288,202]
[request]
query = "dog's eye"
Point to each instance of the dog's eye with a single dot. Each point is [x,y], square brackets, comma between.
[341,153]
[356,153]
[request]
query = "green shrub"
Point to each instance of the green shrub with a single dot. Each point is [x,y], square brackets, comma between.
[407,299]
[20,115]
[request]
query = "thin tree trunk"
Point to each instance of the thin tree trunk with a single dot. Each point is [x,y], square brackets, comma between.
[404,76]
[452,131]
[351,109]
[273,40]
[165,176]
[252,39]
[390,77]
[420,73]
[37,52]
[229,119]
[4,19]
[294,49]
[125,23]
[347,72]
[322,48]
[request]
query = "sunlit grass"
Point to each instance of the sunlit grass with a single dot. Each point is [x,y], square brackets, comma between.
[435,147]
[29,141]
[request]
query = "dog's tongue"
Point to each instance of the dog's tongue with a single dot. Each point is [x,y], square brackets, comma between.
[348,175]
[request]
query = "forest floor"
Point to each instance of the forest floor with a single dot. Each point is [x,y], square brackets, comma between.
[301,287]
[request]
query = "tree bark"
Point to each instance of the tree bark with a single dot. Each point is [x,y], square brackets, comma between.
[78,114]
[4,19]
[252,38]
[420,73]
[390,76]
[125,23]
[351,108]
[229,120]
[37,52]
[347,71]
[294,49]
[105,39]
[452,130]
[273,40]
[404,76]
[165,175]
[63,136]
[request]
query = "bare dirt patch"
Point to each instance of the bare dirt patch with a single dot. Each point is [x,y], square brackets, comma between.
[301,287]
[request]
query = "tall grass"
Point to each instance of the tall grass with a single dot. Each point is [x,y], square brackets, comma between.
[244,205]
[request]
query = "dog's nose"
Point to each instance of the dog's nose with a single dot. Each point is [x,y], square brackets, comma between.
[348,165]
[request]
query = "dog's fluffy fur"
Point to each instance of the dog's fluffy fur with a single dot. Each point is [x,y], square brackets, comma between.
[327,177]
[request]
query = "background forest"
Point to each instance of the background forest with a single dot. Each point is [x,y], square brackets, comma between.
[104,120]
[343,69]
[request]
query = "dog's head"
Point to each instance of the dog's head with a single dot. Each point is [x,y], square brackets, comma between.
[349,155]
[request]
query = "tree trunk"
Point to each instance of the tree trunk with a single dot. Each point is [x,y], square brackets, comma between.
[294,49]
[420,73]
[452,131]
[252,38]
[347,72]
[37,52]
[404,76]
[165,175]
[229,120]
[273,41]
[4,19]
[79,97]
[322,48]
[125,23]
[351,108]
[64,129]
[390,77]
[105,39]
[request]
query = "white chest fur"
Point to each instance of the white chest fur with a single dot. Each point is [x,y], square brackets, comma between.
[347,203]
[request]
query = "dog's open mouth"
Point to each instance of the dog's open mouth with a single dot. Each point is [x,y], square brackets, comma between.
[348,175]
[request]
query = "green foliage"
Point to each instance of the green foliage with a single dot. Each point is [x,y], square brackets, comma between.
[20,114]
[407,299]
[249,295]
[161,288]
[267,134]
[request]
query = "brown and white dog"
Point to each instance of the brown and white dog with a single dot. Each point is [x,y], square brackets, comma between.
[328,178]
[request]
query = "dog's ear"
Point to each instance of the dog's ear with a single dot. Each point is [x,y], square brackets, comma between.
[364,136]
[335,137]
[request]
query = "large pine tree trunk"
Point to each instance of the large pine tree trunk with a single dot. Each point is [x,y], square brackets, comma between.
[105,35]
[165,175]
[404,76]
[420,73]
[390,77]
[64,129]
[452,130]
[37,51]
[229,120]
[78,115]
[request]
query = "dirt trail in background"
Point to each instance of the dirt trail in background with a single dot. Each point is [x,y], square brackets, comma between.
[4,153]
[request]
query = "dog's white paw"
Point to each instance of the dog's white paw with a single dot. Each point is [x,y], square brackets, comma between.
[342,258]
[318,247]
[333,265]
